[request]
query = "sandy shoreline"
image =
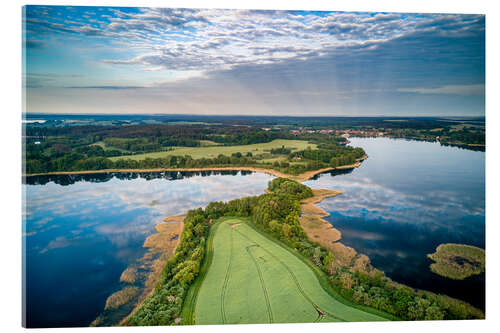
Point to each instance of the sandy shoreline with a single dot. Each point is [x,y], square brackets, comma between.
[320,230]
[311,219]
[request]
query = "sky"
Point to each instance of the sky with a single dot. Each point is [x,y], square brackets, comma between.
[92,60]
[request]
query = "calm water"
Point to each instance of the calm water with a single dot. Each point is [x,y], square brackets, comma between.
[406,199]
[81,232]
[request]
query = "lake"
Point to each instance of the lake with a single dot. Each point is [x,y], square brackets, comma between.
[406,199]
[81,231]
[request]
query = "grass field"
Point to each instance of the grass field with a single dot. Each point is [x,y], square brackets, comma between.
[214,151]
[104,147]
[252,279]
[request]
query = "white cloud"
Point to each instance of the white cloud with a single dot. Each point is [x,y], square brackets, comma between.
[466,90]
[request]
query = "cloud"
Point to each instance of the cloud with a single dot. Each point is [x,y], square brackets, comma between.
[60,242]
[38,80]
[466,90]
[105,87]
[225,60]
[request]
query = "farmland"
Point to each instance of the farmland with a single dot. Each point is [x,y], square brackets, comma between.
[214,151]
[252,279]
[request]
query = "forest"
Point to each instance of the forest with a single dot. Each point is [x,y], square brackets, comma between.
[83,148]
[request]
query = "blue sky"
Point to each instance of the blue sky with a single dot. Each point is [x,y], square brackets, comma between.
[161,60]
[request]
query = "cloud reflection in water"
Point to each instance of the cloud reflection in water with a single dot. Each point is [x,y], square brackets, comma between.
[95,229]
[407,198]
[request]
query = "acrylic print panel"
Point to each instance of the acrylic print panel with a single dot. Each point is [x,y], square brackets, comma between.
[221,166]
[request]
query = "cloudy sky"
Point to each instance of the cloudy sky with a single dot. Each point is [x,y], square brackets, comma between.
[160,60]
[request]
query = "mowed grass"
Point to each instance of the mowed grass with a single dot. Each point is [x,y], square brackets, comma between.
[252,279]
[214,151]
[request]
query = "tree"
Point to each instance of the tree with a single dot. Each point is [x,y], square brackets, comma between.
[434,313]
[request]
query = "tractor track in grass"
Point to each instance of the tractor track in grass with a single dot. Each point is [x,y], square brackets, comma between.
[262,283]
[226,279]
[296,281]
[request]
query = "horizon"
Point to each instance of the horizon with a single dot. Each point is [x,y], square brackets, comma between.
[141,60]
[241,115]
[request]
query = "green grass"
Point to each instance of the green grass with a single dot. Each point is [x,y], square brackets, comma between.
[252,279]
[214,151]
[103,146]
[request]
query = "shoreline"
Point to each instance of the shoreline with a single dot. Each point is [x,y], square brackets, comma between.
[463,145]
[170,226]
[320,230]
[300,178]
[165,246]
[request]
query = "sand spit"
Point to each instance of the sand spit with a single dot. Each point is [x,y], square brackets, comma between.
[312,221]
[321,231]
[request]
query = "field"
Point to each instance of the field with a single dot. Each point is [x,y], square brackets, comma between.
[252,279]
[104,147]
[214,151]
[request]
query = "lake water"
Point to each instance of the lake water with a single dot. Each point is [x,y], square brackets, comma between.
[81,232]
[406,199]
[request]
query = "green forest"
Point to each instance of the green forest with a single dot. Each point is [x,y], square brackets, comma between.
[86,148]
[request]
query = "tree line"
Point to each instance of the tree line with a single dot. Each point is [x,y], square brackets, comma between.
[88,158]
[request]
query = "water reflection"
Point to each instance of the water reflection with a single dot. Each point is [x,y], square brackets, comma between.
[99,177]
[405,199]
[81,231]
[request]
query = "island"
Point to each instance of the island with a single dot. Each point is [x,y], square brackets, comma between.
[457,261]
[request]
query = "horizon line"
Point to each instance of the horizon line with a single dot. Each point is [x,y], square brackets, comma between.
[249,115]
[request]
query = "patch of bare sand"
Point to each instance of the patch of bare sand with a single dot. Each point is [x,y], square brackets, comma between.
[312,221]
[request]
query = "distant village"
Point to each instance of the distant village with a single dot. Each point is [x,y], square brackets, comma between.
[342,132]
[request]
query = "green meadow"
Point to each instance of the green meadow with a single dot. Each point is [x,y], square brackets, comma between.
[214,150]
[252,279]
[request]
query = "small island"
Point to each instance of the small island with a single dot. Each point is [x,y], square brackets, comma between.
[457,261]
